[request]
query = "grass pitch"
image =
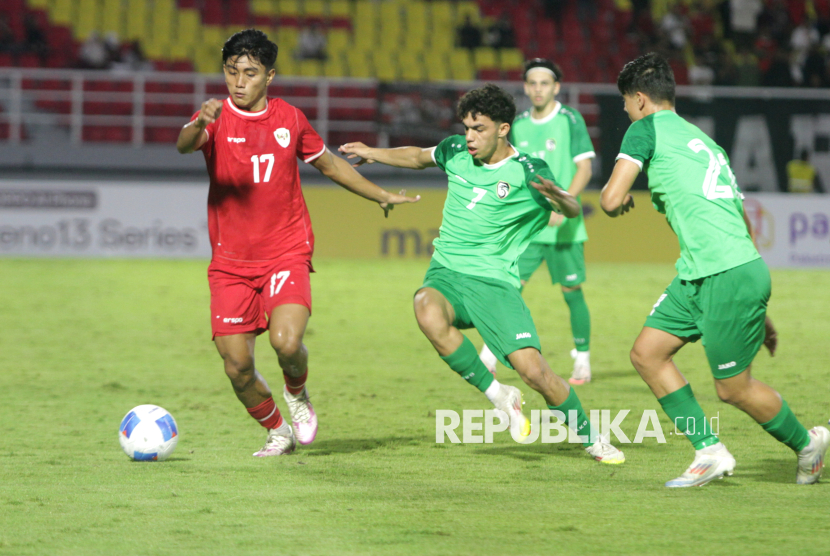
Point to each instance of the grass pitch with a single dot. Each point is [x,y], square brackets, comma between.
[82,342]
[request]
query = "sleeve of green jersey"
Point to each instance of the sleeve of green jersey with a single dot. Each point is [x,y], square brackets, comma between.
[581,146]
[539,167]
[638,143]
[447,149]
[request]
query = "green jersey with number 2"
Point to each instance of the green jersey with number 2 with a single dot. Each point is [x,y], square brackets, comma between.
[692,184]
[491,212]
[560,139]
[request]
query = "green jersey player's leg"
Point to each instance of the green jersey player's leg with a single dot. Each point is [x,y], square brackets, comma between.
[450,301]
[721,292]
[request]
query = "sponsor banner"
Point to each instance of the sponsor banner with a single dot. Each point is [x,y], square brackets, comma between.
[791,230]
[101,219]
[89,219]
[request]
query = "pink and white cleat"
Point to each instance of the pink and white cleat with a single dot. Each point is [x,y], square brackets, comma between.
[302,416]
[280,442]
[811,458]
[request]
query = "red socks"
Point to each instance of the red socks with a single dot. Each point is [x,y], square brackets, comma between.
[267,414]
[295,384]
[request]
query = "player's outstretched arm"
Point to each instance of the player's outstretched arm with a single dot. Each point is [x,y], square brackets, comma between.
[561,199]
[193,135]
[615,198]
[340,172]
[415,158]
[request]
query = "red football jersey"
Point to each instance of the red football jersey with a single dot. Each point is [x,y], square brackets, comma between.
[256,210]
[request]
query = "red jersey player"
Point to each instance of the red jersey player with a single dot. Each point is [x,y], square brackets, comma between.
[260,231]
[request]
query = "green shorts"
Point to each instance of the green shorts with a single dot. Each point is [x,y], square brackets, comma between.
[493,307]
[566,262]
[727,310]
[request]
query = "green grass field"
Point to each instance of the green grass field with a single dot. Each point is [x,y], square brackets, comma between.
[82,342]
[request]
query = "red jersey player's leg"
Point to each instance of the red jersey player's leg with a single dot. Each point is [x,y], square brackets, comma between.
[233,293]
[286,294]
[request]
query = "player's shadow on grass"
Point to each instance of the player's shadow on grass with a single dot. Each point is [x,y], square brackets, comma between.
[769,470]
[534,452]
[352,445]
[168,460]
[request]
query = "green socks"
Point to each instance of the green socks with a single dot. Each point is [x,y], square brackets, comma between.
[465,362]
[581,424]
[580,319]
[687,416]
[786,429]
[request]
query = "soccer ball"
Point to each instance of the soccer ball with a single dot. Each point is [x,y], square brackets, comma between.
[148,433]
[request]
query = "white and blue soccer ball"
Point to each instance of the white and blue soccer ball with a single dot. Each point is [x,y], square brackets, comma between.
[148,433]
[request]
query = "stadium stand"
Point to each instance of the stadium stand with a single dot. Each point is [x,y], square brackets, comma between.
[785,44]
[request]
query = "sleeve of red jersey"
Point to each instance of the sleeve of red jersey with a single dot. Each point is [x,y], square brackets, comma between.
[210,129]
[310,145]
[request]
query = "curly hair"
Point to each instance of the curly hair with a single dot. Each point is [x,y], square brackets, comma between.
[543,63]
[252,43]
[650,74]
[491,101]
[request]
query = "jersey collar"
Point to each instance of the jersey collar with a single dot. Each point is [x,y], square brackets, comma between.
[549,117]
[245,113]
[501,163]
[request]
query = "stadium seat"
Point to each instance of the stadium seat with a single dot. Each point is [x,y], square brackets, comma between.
[111,18]
[511,59]
[365,26]
[390,24]
[385,65]
[485,58]
[310,68]
[358,64]
[87,18]
[436,66]
[290,8]
[411,66]
[340,9]
[265,7]
[137,20]
[335,66]
[314,9]
[62,12]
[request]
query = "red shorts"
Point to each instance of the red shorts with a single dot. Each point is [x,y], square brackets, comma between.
[242,297]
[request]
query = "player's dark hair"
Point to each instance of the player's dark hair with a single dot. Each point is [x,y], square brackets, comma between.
[650,74]
[543,63]
[252,43]
[491,101]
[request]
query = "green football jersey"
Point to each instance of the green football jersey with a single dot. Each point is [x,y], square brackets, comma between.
[692,184]
[560,139]
[491,212]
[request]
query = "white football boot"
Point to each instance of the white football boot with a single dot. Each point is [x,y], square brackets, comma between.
[488,359]
[811,458]
[582,368]
[280,442]
[302,416]
[604,452]
[710,463]
[509,399]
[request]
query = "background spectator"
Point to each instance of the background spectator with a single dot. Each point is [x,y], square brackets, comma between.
[500,34]
[802,176]
[469,36]
[311,43]
[93,53]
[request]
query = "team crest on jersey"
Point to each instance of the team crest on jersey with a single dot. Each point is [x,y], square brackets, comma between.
[550,144]
[283,137]
[502,189]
